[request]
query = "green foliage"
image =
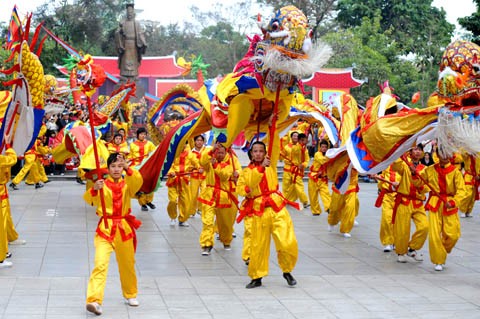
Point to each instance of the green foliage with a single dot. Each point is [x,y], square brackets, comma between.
[472,23]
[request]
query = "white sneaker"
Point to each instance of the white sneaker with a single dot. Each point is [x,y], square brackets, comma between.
[6,264]
[438,268]
[355,223]
[173,222]
[330,228]
[415,255]
[95,308]
[18,242]
[346,235]
[132,302]
[402,259]
[387,248]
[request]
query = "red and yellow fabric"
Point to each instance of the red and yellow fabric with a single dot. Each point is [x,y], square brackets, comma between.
[386,200]
[139,150]
[197,181]
[179,195]
[267,217]
[447,185]
[119,236]
[217,199]
[409,205]
[344,207]
[121,148]
[318,184]
[294,155]
[7,228]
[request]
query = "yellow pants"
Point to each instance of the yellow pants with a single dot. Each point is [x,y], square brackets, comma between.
[401,228]
[247,238]
[195,187]
[28,167]
[293,188]
[444,232]
[143,198]
[125,254]
[280,227]
[3,225]
[314,190]
[467,205]
[386,226]
[224,219]
[343,209]
[178,202]
[41,174]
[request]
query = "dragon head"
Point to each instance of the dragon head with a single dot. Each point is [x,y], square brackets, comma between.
[459,78]
[286,53]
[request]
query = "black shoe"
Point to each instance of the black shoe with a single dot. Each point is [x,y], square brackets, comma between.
[306,205]
[79,180]
[247,262]
[151,206]
[289,278]
[38,185]
[13,186]
[144,208]
[254,283]
[47,181]
[9,255]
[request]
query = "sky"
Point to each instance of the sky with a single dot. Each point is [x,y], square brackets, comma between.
[178,10]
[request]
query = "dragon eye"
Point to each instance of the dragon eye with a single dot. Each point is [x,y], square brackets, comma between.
[275,26]
[476,68]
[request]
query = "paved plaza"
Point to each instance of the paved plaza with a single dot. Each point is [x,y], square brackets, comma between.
[337,277]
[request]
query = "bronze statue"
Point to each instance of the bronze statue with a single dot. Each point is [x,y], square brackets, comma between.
[130,44]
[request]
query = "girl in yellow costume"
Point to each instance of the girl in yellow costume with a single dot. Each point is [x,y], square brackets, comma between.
[446,194]
[295,156]
[119,236]
[318,181]
[265,204]
[139,150]
[197,177]
[179,195]
[217,199]
[6,162]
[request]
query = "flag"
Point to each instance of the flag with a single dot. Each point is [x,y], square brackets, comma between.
[14,34]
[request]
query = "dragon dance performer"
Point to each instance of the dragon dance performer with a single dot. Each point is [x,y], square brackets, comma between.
[217,199]
[265,205]
[6,225]
[118,145]
[447,192]
[387,188]
[119,236]
[344,207]
[139,150]
[409,205]
[197,177]
[295,156]
[42,150]
[179,194]
[318,181]
[472,181]
[29,167]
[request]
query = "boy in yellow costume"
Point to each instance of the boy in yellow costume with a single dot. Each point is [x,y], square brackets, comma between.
[471,176]
[29,167]
[296,159]
[119,236]
[318,181]
[447,192]
[217,199]
[387,187]
[118,145]
[409,206]
[41,151]
[179,195]
[139,150]
[6,224]
[197,178]
[265,205]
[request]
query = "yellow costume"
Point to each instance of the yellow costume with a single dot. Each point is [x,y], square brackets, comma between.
[265,205]
[447,185]
[179,195]
[344,207]
[409,205]
[197,181]
[318,184]
[294,155]
[217,200]
[472,181]
[7,229]
[119,236]
[139,150]
[114,148]
[29,166]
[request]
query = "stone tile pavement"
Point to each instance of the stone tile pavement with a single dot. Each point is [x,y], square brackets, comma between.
[337,277]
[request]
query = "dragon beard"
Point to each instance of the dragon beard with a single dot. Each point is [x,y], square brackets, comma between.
[280,69]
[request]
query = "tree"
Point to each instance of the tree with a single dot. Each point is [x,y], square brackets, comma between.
[472,23]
